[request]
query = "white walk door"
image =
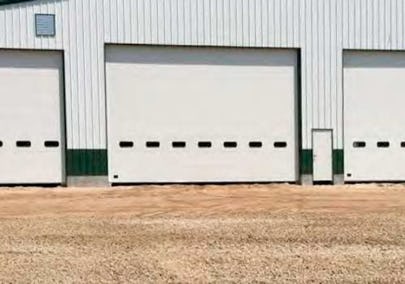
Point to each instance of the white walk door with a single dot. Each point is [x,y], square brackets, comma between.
[180,114]
[322,155]
[31,140]
[374,116]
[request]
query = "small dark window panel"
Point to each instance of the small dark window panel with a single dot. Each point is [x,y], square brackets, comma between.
[383,144]
[179,144]
[51,144]
[230,144]
[126,144]
[403,144]
[204,144]
[1,143]
[280,144]
[23,144]
[255,144]
[359,144]
[152,144]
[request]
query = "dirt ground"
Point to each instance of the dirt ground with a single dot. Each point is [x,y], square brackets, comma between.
[200,234]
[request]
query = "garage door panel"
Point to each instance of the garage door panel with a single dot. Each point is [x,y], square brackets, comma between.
[201,94]
[374,90]
[177,166]
[379,166]
[30,117]
[221,107]
[24,167]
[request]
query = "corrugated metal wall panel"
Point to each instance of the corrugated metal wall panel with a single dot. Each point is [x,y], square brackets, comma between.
[320,28]
[258,23]
[374,24]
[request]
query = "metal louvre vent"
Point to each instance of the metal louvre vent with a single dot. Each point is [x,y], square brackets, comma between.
[45,25]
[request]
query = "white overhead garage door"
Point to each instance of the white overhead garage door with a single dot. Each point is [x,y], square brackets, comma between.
[374,124]
[178,114]
[30,117]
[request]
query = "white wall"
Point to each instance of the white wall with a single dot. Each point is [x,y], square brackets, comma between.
[321,28]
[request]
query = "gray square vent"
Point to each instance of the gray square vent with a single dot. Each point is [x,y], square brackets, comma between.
[45,25]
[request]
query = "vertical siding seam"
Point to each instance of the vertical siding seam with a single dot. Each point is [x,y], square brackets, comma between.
[339,96]
[78,93]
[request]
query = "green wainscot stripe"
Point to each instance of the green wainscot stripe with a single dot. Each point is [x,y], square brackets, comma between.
[338,162]
[86,162]
[306,162]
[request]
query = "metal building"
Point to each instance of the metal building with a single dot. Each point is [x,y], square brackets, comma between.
[202,90]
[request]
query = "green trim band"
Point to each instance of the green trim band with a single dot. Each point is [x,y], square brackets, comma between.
[93,162]
[306,162]
[338,162]
[86,162]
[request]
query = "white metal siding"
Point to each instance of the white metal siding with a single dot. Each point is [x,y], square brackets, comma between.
[321,28]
